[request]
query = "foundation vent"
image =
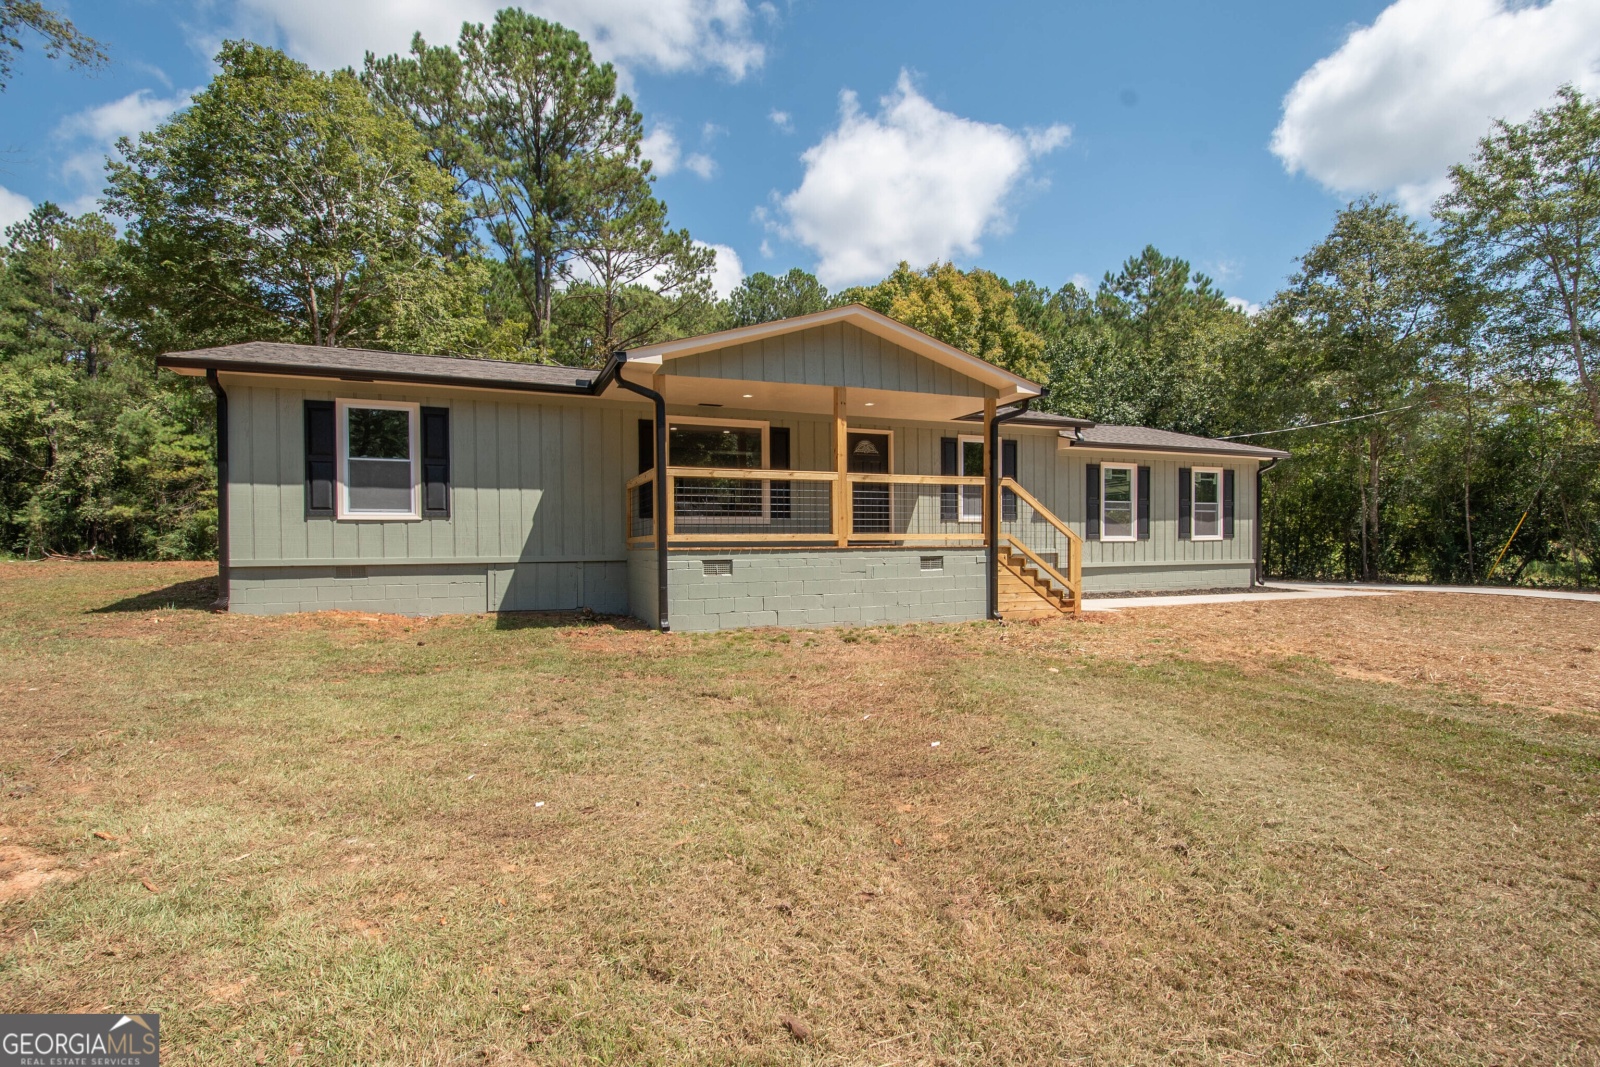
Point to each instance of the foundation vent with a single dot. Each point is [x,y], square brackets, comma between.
[933,563]
[717,567]
[349,572]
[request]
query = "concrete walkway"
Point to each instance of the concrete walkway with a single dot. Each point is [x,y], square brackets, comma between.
[1322,591]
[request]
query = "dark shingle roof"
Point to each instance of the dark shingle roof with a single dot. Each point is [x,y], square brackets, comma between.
[1033,418]
[1145,439]
[270,357]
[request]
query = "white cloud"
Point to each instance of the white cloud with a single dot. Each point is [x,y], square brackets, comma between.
[1084,282]
[701,164]
[1249,307]
[660,146]
[90,134]
[1403,99]
[729,271]
[14,207]
[663,35]
[781,119]
[911,182]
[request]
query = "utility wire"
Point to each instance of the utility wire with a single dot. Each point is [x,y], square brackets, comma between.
[1319,425]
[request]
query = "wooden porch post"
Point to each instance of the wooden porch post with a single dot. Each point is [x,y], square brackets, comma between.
[841,463]
[988,463]
[991,498]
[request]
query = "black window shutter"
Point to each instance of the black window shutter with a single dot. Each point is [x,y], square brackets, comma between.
[1144,503]
[647,459]
[778,454]
[949,495]
[1227,504]
[1008,469]
[1185,487]
[435,463]
[1091,484]
[647,444]
[321,462]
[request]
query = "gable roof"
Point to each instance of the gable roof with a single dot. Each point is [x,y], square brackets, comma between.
[1147,439]
[365,364]
[856,315]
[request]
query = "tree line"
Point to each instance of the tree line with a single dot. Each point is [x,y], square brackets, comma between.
[1436,384]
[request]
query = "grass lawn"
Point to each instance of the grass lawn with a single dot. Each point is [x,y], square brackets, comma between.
[1350,831]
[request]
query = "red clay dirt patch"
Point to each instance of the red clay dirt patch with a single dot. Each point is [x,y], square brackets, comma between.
[1523,651]
[23,871]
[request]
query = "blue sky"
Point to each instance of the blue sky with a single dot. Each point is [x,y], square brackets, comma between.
[1041,141]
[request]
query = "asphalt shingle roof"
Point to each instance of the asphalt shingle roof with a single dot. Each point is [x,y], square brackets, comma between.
[271,357]
[1143,438]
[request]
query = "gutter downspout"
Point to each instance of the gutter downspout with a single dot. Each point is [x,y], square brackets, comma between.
[223,587]
[663,622]
[1261,577]
[993,491]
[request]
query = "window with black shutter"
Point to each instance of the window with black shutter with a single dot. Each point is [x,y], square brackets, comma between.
[1091,502]
[436,463]
[1185,484]
[321,458]
[1227,504]
[1008,469]
[647,460]
[1144,503]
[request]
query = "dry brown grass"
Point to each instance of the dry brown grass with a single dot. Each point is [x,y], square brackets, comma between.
[1292,832]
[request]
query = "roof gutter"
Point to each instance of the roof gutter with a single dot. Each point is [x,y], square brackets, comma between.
[992,490]
[223,579]
[663,616]
[348,375]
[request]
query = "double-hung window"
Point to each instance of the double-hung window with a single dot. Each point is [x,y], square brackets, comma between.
[1207,506]
[1119,506]
[724,445]
[379,459]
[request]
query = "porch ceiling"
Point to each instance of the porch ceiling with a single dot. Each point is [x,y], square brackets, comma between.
[860,403]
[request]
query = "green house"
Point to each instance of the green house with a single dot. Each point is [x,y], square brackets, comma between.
[831,468]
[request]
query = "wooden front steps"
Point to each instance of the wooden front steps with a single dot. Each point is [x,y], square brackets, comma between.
[1025,593]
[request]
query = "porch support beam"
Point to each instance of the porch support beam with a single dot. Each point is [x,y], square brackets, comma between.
[991,492]
[841,463]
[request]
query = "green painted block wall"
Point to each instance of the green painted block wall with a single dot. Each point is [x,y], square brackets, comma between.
[825,588]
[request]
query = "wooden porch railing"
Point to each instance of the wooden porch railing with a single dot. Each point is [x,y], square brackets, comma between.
[708,505]
[1015,532]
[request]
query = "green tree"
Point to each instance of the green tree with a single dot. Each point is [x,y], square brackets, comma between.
[1157,344]
[974,311]
[96,454]
[761,297]
[283,204]
[61,37]
[1526,211]
[1365,295]
[533,130]
[56,291]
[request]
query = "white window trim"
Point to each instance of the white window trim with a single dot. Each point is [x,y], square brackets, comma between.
[342,456]
[765,518]
[961,467]
[1133,482]
[1194,499]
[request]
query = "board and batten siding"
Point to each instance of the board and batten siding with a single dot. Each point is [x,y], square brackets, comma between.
[536,498]
[837,354]
[1057,476]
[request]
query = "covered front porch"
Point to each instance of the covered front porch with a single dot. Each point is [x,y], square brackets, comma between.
[875,488]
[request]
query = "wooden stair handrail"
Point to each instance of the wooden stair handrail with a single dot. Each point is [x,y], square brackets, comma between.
[751,474]
[1074,581]
[1033,557]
